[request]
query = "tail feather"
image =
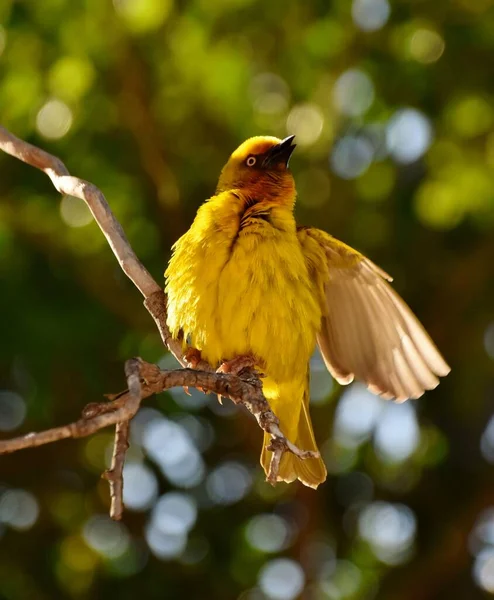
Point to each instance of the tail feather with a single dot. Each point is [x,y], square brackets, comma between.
[311,471]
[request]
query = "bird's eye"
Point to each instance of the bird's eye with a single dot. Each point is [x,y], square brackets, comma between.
[251,161]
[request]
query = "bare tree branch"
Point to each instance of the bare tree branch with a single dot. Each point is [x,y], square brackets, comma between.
[114,475]
[143,379]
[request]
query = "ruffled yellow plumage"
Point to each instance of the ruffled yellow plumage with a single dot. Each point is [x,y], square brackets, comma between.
[245,281]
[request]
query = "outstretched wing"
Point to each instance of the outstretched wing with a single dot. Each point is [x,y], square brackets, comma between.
[367,331]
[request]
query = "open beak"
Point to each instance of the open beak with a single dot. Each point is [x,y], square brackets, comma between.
[280,153]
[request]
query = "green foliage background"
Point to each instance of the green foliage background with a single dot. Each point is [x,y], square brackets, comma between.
[151,96]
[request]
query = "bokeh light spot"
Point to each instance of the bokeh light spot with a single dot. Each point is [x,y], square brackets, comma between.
[483,569]
[426,46]
[470,116]
[353,93]
[282,579]
[199,429]
[71,77]
[408,135]
[356,416]
[397,433]
[437,204]
[163,545]
[186,473]
[139,423]
[175,513]
[172,449]
[389,529]
[77,556]
[268,533]
[54,119]
[166,442]
[305,121]
[142,16]
[19,509]
[351,156]
[321,382]
[483,531]
[228,483]
[12,410]
[75,212]
[487,441]
[106,537]
[140,486]
[370,15]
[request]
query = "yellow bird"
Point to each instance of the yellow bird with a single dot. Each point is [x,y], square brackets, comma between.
[246,286]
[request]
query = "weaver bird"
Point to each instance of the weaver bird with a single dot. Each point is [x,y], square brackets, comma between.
[246,286]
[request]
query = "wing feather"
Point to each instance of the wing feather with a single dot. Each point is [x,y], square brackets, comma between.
[367,331]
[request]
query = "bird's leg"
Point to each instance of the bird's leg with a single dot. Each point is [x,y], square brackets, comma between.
[235,365]
[192,358]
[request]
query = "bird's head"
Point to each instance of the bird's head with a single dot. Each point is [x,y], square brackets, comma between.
[260,165]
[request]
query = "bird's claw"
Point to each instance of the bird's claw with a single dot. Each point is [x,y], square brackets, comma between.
[192,357]
[237,364]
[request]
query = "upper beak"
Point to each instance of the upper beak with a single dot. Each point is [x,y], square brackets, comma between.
[280,153]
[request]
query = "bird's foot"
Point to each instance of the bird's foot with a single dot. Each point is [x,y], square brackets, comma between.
[192,358]
[235,366]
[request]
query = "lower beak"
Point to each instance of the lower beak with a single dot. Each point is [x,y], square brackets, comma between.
[280,153]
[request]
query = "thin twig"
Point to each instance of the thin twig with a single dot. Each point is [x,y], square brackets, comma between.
[114,475]
[246,389]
